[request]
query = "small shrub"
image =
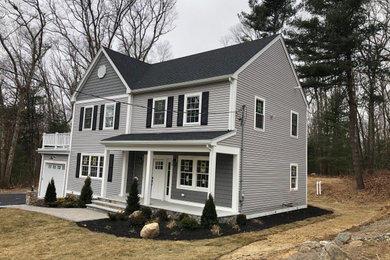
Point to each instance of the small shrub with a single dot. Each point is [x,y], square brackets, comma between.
[216,230]
[147,212]
[189,223]
[69,201]
[133,198]
[86,193]
[114,216]
[241,219]
[161,214]
[50,195]
[171,224]
[137,219]
[257,221]
[183,215]
[236,227]
[209,214]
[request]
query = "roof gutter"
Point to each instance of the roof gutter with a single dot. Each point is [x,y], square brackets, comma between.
[165,142]
[183,84]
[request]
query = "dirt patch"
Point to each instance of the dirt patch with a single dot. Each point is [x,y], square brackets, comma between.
[122,229]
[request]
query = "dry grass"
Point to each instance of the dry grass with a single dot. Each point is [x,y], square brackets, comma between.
[15,190]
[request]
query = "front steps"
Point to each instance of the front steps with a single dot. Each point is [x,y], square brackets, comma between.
[107,205]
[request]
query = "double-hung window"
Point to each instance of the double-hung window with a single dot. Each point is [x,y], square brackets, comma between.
[92,165]
[192,108]
[88,112]
[109,113]
[293,177]
[193,173]
[259,113]
[294,124]
[159,111]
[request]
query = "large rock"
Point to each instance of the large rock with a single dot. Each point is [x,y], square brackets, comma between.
[137,218]
[309,246]
[342,238]
[332,252]
[150,231]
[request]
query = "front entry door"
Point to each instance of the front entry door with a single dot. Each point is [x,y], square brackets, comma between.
[158,179]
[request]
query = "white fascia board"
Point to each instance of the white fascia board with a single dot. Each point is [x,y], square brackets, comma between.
[183,84]
[235,75]
[86,75]
[223,137]
[167,142]
[53,151]
[294,72]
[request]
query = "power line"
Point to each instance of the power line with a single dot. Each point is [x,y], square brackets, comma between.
[111,99]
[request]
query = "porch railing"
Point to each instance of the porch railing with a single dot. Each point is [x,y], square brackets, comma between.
[56,140]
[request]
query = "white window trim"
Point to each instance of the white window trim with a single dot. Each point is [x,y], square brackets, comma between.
[165,112]
[185,108]
[296,179]
[291,116]
[254,116]
[113,120]
[89,166]
[194,173]
[85,111]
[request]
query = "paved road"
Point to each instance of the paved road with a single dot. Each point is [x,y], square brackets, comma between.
[12,199]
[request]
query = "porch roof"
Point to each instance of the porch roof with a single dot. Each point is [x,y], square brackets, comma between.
[185,137]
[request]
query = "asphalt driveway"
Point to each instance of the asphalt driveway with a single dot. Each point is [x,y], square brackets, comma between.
[12,199]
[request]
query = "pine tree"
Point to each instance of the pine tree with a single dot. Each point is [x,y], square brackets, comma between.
[51,195]
[86,193]
[209,214]
[133,198]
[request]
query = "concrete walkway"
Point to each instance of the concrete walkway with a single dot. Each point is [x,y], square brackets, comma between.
[72,214]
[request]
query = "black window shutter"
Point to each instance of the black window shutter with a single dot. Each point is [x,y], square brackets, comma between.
[81,118]
[170,111]
[205,108]
[95,109]
[117,113]
[110,168]
[149,113]
[78,165]
[101,119]
[180,110]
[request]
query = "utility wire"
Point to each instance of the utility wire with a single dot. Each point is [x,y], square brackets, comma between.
[111,99]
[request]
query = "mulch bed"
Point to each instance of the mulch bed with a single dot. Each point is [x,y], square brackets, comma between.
[122,228]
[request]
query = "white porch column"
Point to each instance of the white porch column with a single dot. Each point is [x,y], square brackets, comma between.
[212,167]
[105,173]
[236,181]
[125,164]
[148,177]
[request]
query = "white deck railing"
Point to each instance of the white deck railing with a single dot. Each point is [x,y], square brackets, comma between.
[56,141]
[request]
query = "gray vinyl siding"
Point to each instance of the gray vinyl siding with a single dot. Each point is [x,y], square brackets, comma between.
[218,103]
[110,85]
[135,169]
[185,195]
[88,142]
[267,155]
[224,180]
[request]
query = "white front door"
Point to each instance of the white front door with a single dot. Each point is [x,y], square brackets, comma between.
[55,171]
[158,179]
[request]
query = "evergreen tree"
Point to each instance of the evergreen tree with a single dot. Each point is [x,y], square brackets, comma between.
[86,193]
[209,214]
[133,198]
[268,17]
[51,195]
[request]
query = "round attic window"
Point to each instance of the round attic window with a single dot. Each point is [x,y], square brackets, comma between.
[101,71]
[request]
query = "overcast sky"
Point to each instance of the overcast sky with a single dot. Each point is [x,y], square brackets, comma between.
[201,24]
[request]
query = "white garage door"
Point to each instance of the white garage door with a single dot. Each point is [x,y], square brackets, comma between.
[55,171]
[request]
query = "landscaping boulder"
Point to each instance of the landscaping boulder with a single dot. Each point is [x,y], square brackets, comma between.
[342,238]
[137,218]
[309,246]
[150,230]
[332,252]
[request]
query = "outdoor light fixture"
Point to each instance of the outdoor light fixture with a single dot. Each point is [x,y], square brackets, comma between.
[52,157]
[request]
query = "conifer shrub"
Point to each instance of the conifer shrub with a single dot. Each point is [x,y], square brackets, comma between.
[86,193]
[161,214]
[133,198]
[147,212]
[241,219]
[50,195]
[209,214]
[189,223]
[182,215]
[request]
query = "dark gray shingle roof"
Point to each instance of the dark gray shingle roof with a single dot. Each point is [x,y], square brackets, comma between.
[181,136]
[219,62]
